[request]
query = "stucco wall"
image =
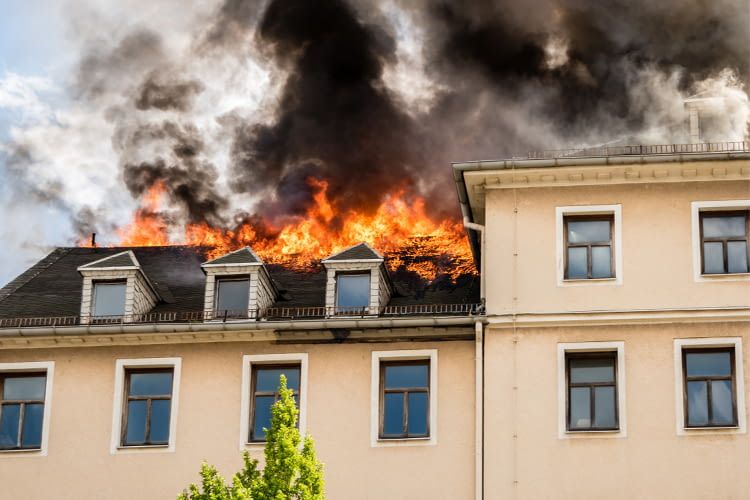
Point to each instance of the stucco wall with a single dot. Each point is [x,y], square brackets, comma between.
[79,464]
[526,459]
[656,249]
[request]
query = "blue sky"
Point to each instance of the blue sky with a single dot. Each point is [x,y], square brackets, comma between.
[32,45]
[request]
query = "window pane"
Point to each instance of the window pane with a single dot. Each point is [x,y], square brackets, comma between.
[353,290]
[577,263]
[262,407]
[160,409]
[24,388]
[713,258]
[9,415]
[32,426]
[592,370]
[151,384]
[580,413]
[418,413]
[393,414]
[601,262]
[721,402]
[588,231]
[721,227]
[697,403]
[708,364]
[267,379]
[402,376]
[737,256]
[233,296]
[109,299]
[604,407]
[136,431]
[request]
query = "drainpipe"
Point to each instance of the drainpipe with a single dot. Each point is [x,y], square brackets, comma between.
[480,229]
[479,370]
[479,410]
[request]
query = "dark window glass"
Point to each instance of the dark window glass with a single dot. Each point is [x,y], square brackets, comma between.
[21,410]
[724,242]
[592,391]
[405,399]
[147,410]
[232,297]
[709,387]
[109,299]
[353,290]
[265,390]
[588,247]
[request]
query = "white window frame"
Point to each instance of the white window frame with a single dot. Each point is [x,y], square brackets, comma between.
[217,286]
[250,360]
[34,366]
[367,273]
[403,355]
[121,365]
[696,208]
[560,214]
[733,342]
[562,390]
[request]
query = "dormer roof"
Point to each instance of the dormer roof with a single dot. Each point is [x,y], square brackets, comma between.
[120,261]
[361,252]
[244,256]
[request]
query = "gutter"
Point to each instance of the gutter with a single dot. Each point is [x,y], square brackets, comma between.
[232,326]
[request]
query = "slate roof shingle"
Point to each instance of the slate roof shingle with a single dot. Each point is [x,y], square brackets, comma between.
[357,252]
[123,259]
[241,256]
[53,286]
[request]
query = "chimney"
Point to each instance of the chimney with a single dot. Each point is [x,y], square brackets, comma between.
[93,240]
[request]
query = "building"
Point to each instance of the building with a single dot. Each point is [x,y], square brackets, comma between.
[598,355]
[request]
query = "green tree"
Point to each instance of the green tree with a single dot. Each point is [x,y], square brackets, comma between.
[291,471]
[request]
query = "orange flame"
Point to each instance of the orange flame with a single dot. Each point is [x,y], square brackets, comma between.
[401,230]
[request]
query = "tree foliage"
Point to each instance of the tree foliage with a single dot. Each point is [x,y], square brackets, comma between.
[292,470]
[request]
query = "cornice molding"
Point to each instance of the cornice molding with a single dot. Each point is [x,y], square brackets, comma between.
[617,318]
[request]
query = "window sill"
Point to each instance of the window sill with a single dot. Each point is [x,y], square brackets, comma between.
[415,441]
[29,452]
[725,276]
[593,434]
[592,281]
[151,448]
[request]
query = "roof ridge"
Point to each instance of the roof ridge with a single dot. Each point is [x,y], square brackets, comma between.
[32,272]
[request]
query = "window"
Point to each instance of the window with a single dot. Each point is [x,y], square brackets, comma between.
[109,299]
[592,391]
[588,247]
[260,383]
[266,392]
[25,402]
[724,237]
[709,380]
[232,297]
[404,400]
[709,386]
[146,412]
[22,410]
[144,415]
[352,290]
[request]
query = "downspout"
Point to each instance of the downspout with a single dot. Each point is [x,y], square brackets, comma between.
[479,370]
[479,410]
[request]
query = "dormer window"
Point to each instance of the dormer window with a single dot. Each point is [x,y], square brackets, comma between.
[232,296]
[357,282]
[238,286]
[116,289]
[352,290]
[109,299]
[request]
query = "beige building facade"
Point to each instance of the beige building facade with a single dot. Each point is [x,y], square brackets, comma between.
[600,353]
